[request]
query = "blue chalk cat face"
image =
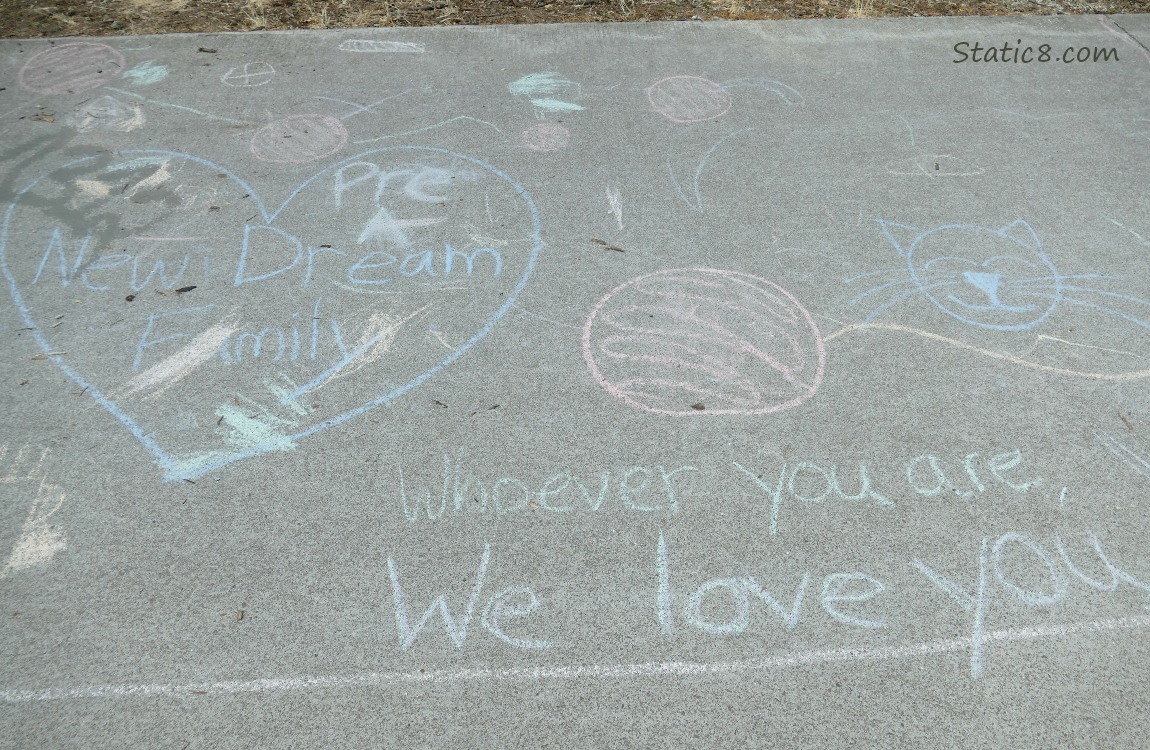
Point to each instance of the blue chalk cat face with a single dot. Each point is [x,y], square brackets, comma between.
[997,279]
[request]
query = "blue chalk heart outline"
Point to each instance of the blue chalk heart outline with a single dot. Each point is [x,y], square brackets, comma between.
[175,469]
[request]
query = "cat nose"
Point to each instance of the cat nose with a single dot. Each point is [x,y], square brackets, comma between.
[985,282]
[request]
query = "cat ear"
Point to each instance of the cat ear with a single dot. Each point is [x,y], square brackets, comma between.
[902,236]
[1022,233]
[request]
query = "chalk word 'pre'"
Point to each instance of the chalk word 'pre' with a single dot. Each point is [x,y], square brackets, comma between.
[261,326]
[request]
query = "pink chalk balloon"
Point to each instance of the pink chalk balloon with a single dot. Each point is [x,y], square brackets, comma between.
[703,341]
[688,99]
[71,68]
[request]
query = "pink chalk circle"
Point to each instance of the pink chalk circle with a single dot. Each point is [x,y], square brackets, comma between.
[298,139]
[546,137]
[702,341]
[70,68]
[689,99]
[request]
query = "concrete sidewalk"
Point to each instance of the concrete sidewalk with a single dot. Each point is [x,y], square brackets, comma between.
[686,384]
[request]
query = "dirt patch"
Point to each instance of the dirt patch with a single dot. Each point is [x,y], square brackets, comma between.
[39,18]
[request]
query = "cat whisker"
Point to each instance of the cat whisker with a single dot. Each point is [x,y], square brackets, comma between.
[875,273]
[1083,303]
[1074,276]
[871,291]
[1080,289]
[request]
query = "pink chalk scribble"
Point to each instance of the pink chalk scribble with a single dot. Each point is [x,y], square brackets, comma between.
[71,68]
[299,139]
[546,137]
[687,99]
[700,341]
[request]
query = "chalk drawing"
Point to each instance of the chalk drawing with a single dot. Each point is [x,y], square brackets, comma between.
[935,165]
[846,597]
[554,105]
[426,128]
[999,279]
[1127,451]
[615,205]
[994,279]
[992,567]
[119,223]
[249,75]
[927,476]
[94,188]
[1142,240]
[146,73]
[697,342]
[379,45]
[538,84]
[784,93]
[540,89]
[546,137]
[163,375]
[361,108]
[695,199]
[182,108]
[379,333]
[688,99]
[581,672]
[1001,356]
[550,321]
[298,139]
[38,539]
[497,607]
[462,493]
[106,113]
[71,68]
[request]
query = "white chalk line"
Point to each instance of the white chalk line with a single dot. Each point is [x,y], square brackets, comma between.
[178,106]
[573,672]
[1118,376]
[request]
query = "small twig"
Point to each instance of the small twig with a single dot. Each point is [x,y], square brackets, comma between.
[606,245]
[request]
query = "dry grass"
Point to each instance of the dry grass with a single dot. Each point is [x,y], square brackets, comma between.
[32,18]
[254,14]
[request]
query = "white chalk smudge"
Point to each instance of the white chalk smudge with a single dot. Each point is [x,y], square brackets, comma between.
[147,73]
[379,333]
[178,366]
[535,84]
[93,188]
[615,205]
[244,424]
[106,113]
[262,429]
[39,539]
[154,180]
[554,105]
[377,45]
